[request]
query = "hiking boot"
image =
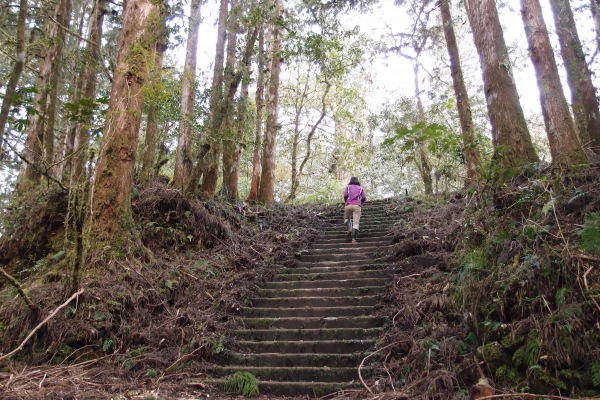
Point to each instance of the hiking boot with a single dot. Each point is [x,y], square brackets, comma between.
[354,235]
[349,225]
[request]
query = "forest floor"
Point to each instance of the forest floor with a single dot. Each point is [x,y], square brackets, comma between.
[503,283]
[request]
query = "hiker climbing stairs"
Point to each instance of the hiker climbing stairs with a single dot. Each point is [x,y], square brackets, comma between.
[312,325]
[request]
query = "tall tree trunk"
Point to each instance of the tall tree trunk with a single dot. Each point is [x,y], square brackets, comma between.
[266,191]
[39,147]
[260,88]
[583,94]
[149,156]
[564,146]
[463,104]
[423,164]
[231,134]
[232,163]
[80,184]
[211,173]
[63,18]
[90,70]
[111,222]
[510,135]
[595,9]
[227,126]
[63,154]
[183,160]
[17,69]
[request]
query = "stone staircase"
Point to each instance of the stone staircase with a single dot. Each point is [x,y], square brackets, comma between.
[311,327]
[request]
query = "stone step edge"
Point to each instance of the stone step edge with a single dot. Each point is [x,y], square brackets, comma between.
[307,342]
[304,387]
[306,290]
[374,329]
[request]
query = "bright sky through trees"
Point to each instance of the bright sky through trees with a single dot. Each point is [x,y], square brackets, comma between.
[392,74]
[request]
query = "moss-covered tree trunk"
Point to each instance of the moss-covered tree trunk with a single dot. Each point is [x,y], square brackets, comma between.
[266,190]
[149,154]
[564,146]
[39,147]
[584,102]
[111,222]
[463,104]
[510,135]
[211,173]
[259,100]
[183,160]
[232,143]
[227,114]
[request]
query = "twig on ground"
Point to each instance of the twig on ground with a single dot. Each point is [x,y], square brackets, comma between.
[585,274]
[532,396]
[585,257]
[388,371]
[340,392]
[371,355]
[42,381]
[428,360]
[185,356]
[407,276]
[48,318]
[394,319]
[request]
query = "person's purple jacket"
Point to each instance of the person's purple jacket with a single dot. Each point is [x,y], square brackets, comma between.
[354,194]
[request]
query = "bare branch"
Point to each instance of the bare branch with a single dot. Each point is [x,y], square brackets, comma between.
[48,318]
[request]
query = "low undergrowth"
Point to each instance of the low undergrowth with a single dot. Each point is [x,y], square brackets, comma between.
[137,323]
[509,281]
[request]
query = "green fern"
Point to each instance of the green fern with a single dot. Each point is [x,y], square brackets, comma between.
[589,236]
[596,374]
[561,296]
[528,354]
[243,383]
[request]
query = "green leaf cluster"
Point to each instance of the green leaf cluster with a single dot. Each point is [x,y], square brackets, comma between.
[589,235]
[243,383]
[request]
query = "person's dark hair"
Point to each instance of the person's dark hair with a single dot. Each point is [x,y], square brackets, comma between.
[354,181]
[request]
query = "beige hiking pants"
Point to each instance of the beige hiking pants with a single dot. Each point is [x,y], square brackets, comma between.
[353,211]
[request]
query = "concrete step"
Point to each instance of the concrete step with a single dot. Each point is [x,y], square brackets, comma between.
[328,283]
[308,334]
[341,235]
[293,302]
[308,268]
[307,347]
[295,374]
[295,389]
[357,257]
[279,360]
[321,292]
[280,312]
[312,322]
[364,265]
[335,275]
[357,248]
[344,243]
[364,228]
[364,219]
